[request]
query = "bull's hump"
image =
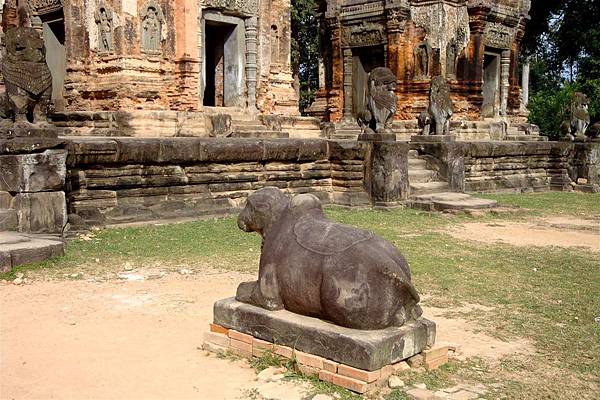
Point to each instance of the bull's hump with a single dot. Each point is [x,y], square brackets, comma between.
[324,237]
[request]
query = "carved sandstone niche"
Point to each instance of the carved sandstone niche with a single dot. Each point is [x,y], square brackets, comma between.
[153,28]
[244,7]
[40,7]
[422,53]
[105,24]
[363,35]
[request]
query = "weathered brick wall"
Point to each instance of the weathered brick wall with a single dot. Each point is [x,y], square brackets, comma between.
[124,180]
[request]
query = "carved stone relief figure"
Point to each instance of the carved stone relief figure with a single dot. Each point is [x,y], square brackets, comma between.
[422,54]
[104,21]
[451,55]
[152,25]
[26,76]
[274,44]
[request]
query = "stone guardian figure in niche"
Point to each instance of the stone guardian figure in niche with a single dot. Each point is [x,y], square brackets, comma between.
[451,55]
[104,21]
[382,101]
[27,78]
[153,20]
[312,266]
[579,118]
[422,55]
[436,120]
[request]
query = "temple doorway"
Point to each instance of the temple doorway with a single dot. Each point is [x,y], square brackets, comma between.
[491,85]
[365,59]
[53,30]
[224,61]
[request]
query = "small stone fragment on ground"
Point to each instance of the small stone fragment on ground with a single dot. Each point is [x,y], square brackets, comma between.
[395,382]
[18,281]
[415,361]
[282,391]
[420,386]
[420,394]
[271,374]
[323,397]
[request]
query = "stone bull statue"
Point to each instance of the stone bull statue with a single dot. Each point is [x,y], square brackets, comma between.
[312,266]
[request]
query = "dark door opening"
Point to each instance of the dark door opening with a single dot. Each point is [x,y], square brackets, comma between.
[217,36]
[365,59]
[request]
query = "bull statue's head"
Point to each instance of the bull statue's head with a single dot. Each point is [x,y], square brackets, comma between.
[263,208]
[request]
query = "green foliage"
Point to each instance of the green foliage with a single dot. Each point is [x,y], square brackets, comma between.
[305,49]
[548,109]
[562,42]
[266,360]
[397,394]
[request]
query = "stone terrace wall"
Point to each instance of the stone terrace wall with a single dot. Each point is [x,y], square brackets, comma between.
[518,166]
[112,181]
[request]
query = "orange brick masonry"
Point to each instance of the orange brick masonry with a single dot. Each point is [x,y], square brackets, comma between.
[221,339]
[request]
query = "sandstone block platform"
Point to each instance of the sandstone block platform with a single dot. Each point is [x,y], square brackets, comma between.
[17,249]
[451,201]
[433,139]
[364,350]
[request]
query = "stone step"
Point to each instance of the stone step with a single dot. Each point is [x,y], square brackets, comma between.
[261,134]
[417,163]
[249,127]
[526,138]
[17,249]
[414,154]
[451,201]
[8,220]
[421,175]
[417,189]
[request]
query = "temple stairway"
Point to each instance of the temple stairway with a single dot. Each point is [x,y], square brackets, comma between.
[431,193]
[245,124]
[423,180]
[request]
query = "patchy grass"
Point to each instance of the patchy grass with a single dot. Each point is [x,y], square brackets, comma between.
[549,296]
[582,204]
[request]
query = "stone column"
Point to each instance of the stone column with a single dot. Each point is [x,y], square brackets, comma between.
[347,116]
[504,82]
[525,83]
[321,73]
[251,68]
[201,72]
[386,174]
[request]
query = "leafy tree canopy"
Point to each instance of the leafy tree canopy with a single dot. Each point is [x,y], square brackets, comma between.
[562,42]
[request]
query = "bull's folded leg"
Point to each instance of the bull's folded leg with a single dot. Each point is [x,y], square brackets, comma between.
[244,292]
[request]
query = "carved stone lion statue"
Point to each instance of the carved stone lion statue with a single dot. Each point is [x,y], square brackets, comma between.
[382,101]
[312,266]
[27,77]
[436,120]
[579,118]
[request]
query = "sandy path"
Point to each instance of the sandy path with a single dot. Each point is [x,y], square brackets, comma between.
[140,339]
[559,232]
[130,340]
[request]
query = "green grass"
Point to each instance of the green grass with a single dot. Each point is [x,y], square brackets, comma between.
[582,204]
[548,296]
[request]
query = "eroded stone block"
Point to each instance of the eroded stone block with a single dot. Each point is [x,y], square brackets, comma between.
[44,212]
[33,172]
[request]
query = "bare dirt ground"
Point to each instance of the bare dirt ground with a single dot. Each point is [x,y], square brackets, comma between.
[140,339]
[555,231]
